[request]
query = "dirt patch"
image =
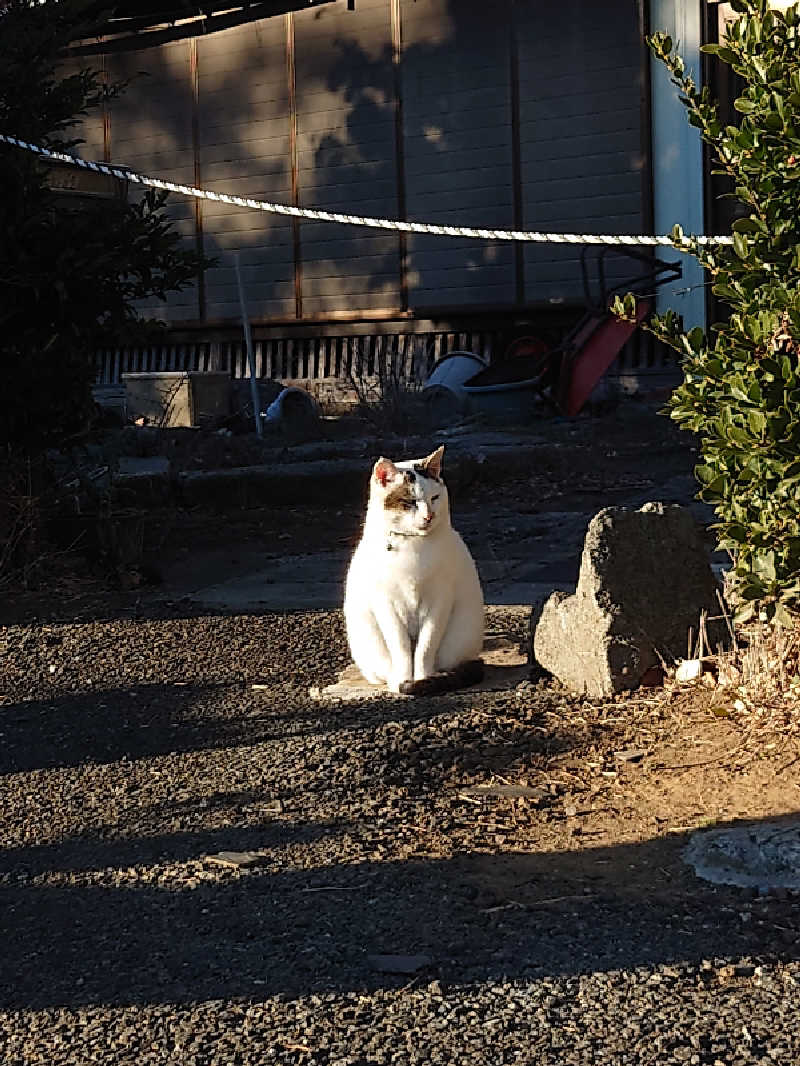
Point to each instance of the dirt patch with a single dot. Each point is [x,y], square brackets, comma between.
[621,810]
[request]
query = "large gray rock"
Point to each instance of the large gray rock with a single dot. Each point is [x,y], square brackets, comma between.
[644,580]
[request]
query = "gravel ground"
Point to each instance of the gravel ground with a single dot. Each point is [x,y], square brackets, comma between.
[133,749]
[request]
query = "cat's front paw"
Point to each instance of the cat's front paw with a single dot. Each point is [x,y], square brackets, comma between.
[396,681]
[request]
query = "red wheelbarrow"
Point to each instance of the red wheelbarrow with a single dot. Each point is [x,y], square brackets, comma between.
[565,375]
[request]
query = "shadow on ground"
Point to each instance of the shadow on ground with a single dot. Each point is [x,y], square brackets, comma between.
[86,920]
[146,721]
[298,932]
[112,724]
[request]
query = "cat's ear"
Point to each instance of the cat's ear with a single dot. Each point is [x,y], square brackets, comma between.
[385,471]
[432,464]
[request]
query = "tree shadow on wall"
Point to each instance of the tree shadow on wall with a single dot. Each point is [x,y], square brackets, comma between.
[456,166]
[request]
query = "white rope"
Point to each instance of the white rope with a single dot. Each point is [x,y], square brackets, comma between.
[531,236]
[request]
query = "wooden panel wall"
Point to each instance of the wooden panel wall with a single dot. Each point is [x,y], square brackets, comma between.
[346,154]
[151,131]
[457,127]
[477,123]
[244,149]
[581,156]
[92,127]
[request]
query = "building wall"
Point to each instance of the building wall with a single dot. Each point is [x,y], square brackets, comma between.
[457,134]
[513,113]
[580,132]
[678,156]
[346,155]
[243,148]
[151,131]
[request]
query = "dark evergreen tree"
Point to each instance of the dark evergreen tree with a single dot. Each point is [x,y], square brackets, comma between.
[69,275]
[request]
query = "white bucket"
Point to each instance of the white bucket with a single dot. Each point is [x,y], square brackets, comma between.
[291,404]
[443,392]
[454,369]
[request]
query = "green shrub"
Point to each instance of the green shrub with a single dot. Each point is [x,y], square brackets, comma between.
[741,386]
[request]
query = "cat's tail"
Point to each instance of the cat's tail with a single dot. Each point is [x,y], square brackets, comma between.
[461,676]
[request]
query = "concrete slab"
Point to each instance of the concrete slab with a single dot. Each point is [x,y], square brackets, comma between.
[323,480]
[316,582]
[147,466]
[505,667]
[305,583]
[763,856]
[143,481]
[293,583]
[507,593]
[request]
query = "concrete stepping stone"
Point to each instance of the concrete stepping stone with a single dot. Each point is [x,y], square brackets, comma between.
[764,856]
[505,667]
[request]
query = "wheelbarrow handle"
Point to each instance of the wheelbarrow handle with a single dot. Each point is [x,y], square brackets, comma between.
[671,271]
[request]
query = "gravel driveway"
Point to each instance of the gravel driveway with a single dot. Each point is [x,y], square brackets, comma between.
[369,928]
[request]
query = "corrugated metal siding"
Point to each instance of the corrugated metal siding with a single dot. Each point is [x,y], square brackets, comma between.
[457,130]
[581,154]
[346,155]
[244,149]
[151,131]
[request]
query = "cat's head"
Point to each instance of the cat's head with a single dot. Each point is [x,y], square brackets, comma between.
[410,496]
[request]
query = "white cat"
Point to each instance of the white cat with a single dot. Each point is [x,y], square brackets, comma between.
[413,603]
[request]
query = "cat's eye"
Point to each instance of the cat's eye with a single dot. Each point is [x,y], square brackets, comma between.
[435,498]
[409,504]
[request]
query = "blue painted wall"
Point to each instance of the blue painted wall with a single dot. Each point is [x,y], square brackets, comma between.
[677,154]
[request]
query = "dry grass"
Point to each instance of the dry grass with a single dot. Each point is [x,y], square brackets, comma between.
[762,673]
[755,683]
[388,386]
[20,521]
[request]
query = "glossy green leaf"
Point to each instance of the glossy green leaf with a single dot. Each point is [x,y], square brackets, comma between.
[757,421]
